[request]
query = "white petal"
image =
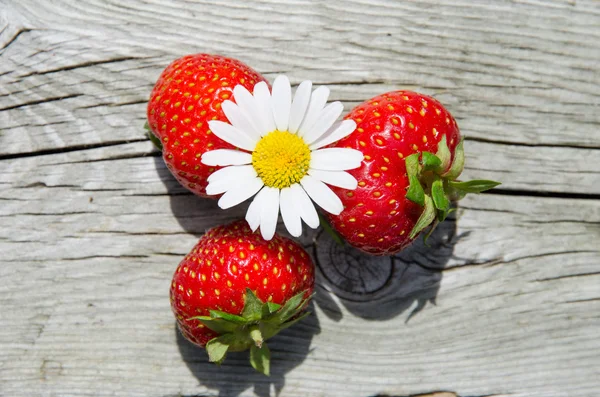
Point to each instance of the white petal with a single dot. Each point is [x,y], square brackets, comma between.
[326,118]
[254,210]
[335,178]
[241,192]
[322,195]
[240,119]
[290,215]
[304,206]
[250,106]
[281,101]
[262,97]
[318,99]
[340,131]
[335,159]
[228,178]
[232,135]
[299,106]
[269,212]
[227,172]
[222,157]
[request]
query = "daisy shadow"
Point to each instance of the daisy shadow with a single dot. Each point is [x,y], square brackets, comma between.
[195,214]
[382,287]
[288,350]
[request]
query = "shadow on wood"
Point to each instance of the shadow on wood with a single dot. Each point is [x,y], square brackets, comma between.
[382,287]
[195,214]
[235,375]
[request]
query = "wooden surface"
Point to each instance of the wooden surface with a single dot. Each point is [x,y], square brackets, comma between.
[507,303]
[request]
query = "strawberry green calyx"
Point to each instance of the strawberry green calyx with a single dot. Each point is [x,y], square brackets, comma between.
[152,137]
[258,322]
[433,184]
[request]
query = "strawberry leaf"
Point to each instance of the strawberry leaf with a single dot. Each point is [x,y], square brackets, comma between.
[260,358]
[415,192]
[443,154]
[217,347]
[458,164]
[218,325]
[327,227]
[438,194]
[232,318]
[155,141]
[429,232]
[288,309]
[412,165]
[294,321]
[431,162]
[269,330]
[253,307]
[427,216]
[474,186]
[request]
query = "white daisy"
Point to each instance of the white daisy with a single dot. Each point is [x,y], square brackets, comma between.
[281,158]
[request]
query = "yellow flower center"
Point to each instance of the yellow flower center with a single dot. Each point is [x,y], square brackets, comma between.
[281,159]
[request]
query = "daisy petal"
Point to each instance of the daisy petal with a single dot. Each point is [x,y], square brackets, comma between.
[228,172]
[335,159]
[335,178]
[269,212]
[223,157]
[254,210]
[318,99]
[240,192]
[322,195]
[304,206]
[342,130]
[290,215]
[246,101]
[326,118]
[262,97]
[281,101]
[229,178]
[232,135]
[240,119]
[299,106]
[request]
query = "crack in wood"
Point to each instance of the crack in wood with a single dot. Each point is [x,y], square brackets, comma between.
[570,275]
[40,101]
[113,104]
[81,65]
[537,193]
[443,394]
[69,149]
[550,145]
[582,300]
[15,37]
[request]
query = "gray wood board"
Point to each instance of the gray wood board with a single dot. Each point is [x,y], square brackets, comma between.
[92,225]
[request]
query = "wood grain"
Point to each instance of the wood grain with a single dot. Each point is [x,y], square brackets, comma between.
[505,302]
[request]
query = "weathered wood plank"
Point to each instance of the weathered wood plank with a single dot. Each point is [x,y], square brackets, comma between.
[520,168]
[515,73]
[85,295]
[92,225]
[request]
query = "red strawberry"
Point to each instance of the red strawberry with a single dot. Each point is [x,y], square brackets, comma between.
[188,94]
[234,290]
[413,154]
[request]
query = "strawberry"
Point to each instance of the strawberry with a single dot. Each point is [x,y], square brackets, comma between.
[234,290]
[413,153]
[187,95]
